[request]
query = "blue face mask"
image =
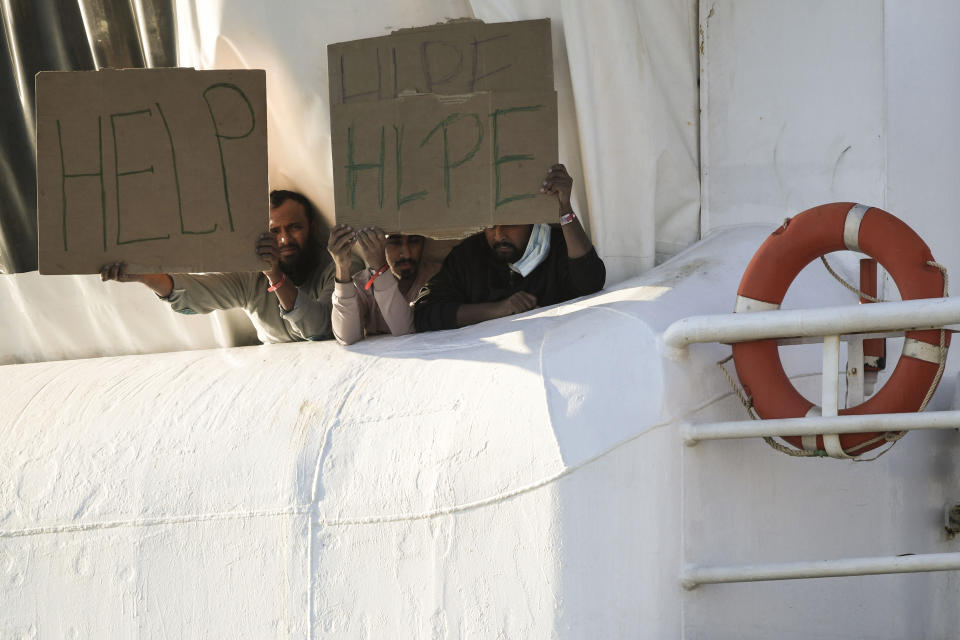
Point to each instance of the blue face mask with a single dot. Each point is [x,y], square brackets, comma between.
[537,249]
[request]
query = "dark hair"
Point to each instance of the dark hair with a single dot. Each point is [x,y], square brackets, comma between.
[279,196]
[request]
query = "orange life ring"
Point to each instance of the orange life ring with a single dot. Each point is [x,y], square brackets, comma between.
[802,239]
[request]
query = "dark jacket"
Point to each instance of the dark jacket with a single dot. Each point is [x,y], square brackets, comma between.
[472,273]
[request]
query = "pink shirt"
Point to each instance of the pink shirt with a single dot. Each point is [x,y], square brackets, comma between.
[359,312]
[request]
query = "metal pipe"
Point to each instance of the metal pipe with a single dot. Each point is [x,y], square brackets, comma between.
[928,313]
[830,392]
[880,422]
[693,575]
[830,381]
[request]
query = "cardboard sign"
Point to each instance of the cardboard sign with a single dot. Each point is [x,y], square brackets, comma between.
[444,130]
[164,169]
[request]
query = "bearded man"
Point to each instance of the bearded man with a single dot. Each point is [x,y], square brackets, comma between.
[290,300]
[510,269]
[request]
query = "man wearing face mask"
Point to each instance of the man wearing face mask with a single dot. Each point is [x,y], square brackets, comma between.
[377,299]
[288,301]
[510,269]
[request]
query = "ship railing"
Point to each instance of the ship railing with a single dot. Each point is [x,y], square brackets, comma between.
[853,324]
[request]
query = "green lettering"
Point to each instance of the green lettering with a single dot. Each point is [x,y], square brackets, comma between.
[499,161]
[223,136]
[65,175]
[176,178]
[447,165]
[419,195]
[118,174]
[354,169]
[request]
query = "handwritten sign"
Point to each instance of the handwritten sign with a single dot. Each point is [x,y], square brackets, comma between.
[164,169]
[444,130]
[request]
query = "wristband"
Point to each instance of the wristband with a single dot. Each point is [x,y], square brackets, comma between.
[568,217]
[278,284]
[373,276]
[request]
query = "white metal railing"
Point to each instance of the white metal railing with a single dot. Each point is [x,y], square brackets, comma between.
[856,322]
[694,575]
[880,422]
[929,313]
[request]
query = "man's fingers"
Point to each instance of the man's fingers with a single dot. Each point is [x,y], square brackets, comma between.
[363,237]
[268,256]
[267,248]
[371,246]
[341,238]
[555,184]
[340,233]
[114,271]
[265,240]
[343,244]
[528,301]
[369,239]
[558,171]
[522,301]
[558,181]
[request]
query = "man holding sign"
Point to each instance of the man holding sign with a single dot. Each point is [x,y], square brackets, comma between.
[288,301]
[508,269]
[379,298]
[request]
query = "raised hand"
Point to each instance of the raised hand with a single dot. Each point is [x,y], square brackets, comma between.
[269,253]
[160,283]
[372,246]
[339,243]
[558,183]
[117,271]
[341,239]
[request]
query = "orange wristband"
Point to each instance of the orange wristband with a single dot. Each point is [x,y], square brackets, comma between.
[373,276]
[278,284]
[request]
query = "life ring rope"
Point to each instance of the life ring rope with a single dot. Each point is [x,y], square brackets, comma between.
[861,294]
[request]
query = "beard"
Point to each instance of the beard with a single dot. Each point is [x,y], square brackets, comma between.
[300,266]
[405,269]
[506,252]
